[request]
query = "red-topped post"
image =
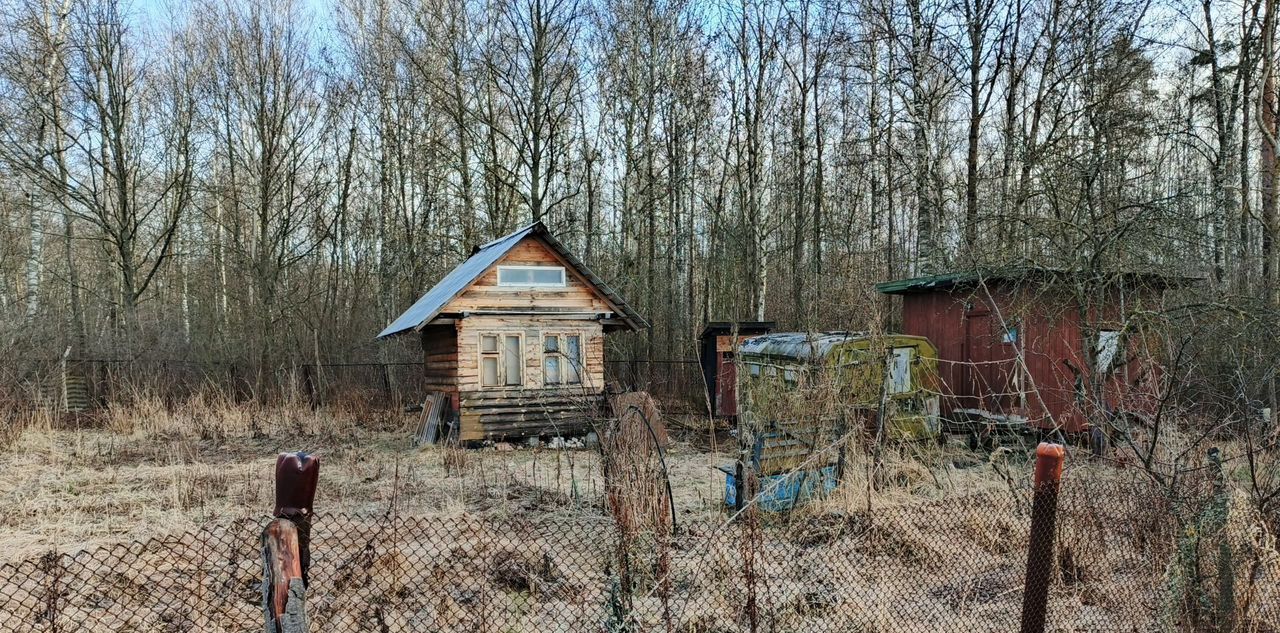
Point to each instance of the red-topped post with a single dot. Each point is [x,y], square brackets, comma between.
[1048,478]
[286,544]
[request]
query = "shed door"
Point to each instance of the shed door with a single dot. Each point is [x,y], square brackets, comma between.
[992,370]
[900,370]
[727,385]
[978,341]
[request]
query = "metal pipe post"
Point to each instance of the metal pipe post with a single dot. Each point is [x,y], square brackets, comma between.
[1048,477]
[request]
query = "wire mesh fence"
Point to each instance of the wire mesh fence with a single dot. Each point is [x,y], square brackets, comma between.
[1125,559]
[677,383]
[99,382]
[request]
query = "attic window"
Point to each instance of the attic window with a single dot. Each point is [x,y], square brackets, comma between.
[531,276]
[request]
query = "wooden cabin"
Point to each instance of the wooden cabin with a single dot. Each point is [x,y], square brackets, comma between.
[514,336]
[1078,336]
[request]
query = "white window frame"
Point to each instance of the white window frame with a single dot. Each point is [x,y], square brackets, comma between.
[564,277]
[563,356]
[898,370]
[501,355]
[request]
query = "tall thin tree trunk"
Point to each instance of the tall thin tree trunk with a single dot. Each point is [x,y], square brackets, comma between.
[1267,160]
[35,257]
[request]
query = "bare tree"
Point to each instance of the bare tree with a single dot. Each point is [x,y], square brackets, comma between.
[533,64]
[261,86]
[985,24]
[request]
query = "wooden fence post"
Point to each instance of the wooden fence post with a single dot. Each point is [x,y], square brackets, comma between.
[309,386]
[1035,596]
[286,544]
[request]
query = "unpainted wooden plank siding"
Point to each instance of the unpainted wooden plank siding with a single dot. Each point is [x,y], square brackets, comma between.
[493,422]
[534,407]
[440,359]
[486,294]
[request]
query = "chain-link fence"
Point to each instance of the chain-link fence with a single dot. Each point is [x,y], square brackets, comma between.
[1125,559]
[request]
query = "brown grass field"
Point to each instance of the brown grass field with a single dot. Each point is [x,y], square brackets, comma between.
[943,544]
[151,470]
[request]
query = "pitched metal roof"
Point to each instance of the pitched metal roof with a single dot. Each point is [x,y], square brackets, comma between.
[459,279]
[628,314]
[745,328]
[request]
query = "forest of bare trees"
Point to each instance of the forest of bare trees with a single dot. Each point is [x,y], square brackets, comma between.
[245,181]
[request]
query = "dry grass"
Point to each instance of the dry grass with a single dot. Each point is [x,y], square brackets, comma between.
[935,534]
[149,468]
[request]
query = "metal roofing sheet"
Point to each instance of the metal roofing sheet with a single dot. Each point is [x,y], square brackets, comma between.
[798,345]
[745,328]
[968,278]
[455,282]
[812,346]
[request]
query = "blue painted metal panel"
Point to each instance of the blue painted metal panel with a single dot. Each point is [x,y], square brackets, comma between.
[779,493]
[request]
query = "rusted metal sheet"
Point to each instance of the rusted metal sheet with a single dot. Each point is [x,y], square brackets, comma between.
[296,478]
[726,394]
[286,544]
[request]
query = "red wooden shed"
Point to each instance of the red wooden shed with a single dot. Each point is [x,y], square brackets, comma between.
[719,340]
[1055,348]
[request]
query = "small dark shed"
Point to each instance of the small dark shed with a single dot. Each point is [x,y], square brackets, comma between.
[1082,356]
[718,369]
[514,337]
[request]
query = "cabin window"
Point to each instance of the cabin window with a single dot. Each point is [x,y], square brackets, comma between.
[899,369]
[562,359]
[753,368]
[531,276]
[500,360]
[1108,347]
[573,354]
